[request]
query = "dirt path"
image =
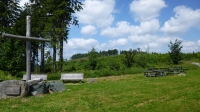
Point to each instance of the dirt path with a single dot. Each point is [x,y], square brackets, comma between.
[195,63]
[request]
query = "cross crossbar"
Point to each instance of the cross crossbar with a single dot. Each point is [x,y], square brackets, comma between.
[25,38]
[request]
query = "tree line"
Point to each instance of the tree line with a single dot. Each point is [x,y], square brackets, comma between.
[101,53]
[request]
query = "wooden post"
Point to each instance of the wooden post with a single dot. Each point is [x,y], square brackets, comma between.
[28,48]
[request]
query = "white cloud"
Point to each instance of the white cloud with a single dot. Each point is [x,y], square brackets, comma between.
[78,45]
[97,12]
[149,27]
[118,42]
[142,39]
[198,43]
[81,44]
[89,30]
[123,28]
[190,46]
[154,42]
[145,10]
[114,44]
[184,19]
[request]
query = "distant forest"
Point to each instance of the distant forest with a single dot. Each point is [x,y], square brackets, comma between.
[101,53]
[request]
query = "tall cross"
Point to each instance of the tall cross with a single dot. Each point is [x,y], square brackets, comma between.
[28,39]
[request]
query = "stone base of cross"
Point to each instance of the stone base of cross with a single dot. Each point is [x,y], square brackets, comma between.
[28,39]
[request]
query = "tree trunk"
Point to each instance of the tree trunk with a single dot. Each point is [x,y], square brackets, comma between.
[61,54]
[42,58]
[54,58]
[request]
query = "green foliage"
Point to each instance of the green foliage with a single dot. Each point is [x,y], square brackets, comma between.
[12,52]
[175,51]
[141,60]
[92,59]
[129,58]
[12,58]
[55,76]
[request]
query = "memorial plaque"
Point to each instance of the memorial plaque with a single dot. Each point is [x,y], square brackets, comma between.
[13,90]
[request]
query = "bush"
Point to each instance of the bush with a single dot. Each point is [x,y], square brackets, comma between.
[55,76]
[141,60]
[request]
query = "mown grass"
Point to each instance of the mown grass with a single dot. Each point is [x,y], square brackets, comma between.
[123,93]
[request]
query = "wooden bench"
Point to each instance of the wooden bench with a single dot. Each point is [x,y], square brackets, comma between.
[72,77]
[34,76]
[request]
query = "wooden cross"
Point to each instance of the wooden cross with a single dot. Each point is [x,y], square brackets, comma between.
[28,39]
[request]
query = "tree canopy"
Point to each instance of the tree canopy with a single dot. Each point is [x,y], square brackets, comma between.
[49,19]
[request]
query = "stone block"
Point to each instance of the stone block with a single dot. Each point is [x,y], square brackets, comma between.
[13,88]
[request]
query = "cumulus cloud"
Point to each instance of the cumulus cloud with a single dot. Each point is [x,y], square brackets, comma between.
[184,19]
[154,42]
[190,46]
[114,44]
[97,12]
[124,28]
[144,10]
[142,38]
[88,30]
[198,43]
[79,45]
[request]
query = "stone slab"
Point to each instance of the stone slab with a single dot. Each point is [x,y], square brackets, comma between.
[72,76]
[13,90]
[36,76]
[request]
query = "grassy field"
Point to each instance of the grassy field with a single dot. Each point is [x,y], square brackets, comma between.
[125,93]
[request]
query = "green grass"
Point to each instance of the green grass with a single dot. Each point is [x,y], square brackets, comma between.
[124,93]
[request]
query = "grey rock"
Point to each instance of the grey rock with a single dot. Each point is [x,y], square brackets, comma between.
[34,81]
[38,88]
[181,74]
[13,88]
[55,86]
[91,80]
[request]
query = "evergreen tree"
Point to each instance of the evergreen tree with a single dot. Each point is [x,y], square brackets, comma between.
[59,18]
[12,52]
[175,51]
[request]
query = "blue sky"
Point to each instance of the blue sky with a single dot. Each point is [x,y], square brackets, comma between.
[145,24]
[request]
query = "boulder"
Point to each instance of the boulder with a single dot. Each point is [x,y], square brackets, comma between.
[38,88]
[55,86]
[13,88]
